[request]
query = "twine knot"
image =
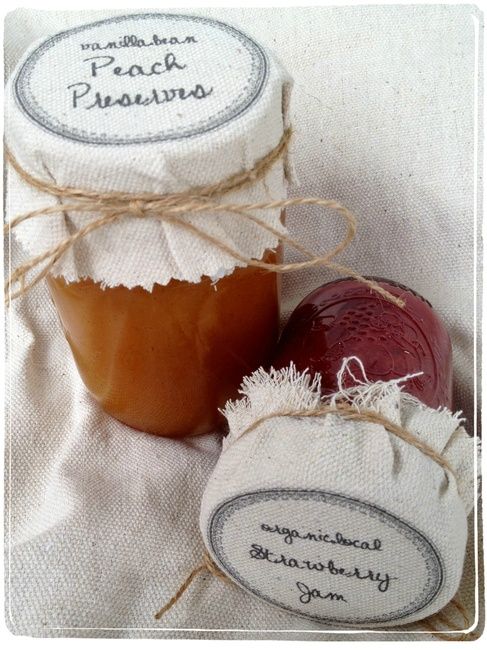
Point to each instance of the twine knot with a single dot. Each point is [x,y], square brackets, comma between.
[172,208]
[137,209]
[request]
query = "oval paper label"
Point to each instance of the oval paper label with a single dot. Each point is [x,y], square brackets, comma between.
[325,556]
[141,78]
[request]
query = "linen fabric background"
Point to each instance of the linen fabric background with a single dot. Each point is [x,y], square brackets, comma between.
[102,522]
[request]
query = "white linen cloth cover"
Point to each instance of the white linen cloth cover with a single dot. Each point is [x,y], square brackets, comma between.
[326,476]
[102,520]
[58,135]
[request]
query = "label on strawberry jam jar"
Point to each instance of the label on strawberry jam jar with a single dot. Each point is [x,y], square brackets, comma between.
[141,78]
[325,556]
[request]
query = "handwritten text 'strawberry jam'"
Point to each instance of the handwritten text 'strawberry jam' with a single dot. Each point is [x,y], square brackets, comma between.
[345,318]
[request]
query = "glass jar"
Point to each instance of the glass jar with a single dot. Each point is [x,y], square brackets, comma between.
[345,318]
[165,361]
[134,148]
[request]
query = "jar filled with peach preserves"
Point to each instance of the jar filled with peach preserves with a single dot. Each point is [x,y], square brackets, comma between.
[143,134]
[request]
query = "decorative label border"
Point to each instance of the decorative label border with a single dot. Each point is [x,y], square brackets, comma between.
[434,565]
[249,95]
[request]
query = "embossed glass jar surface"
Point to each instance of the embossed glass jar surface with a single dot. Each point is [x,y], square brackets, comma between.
[345,318]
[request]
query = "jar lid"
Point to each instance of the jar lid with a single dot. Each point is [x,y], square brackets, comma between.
[336,519]
[148,102]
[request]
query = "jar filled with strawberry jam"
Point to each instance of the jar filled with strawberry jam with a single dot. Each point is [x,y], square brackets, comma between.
[161,305]
[346,318]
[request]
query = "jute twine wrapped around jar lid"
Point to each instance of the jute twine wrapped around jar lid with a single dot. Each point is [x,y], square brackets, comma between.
[153,156]
[350,511]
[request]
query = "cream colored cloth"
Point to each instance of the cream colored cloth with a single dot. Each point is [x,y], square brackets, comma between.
[130,148]
[327,474]
[103,520]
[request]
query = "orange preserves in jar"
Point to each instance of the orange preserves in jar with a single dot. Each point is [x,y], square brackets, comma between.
[159,169]
[165,361]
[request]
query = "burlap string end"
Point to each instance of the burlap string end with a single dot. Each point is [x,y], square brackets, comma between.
[111,207]
[208,565]
[441,625]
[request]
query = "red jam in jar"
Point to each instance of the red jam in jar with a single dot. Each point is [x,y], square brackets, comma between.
[346,318]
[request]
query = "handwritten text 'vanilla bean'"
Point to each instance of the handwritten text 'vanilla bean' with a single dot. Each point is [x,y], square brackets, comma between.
[135,41]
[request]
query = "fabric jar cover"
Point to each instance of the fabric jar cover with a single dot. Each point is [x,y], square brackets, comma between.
[150,102]
[336,520]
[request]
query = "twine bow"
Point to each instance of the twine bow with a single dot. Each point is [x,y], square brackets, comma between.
[112,207]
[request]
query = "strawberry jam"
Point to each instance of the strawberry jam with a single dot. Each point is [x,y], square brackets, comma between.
[346,318]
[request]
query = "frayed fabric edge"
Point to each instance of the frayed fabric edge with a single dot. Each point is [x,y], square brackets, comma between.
[266,392]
